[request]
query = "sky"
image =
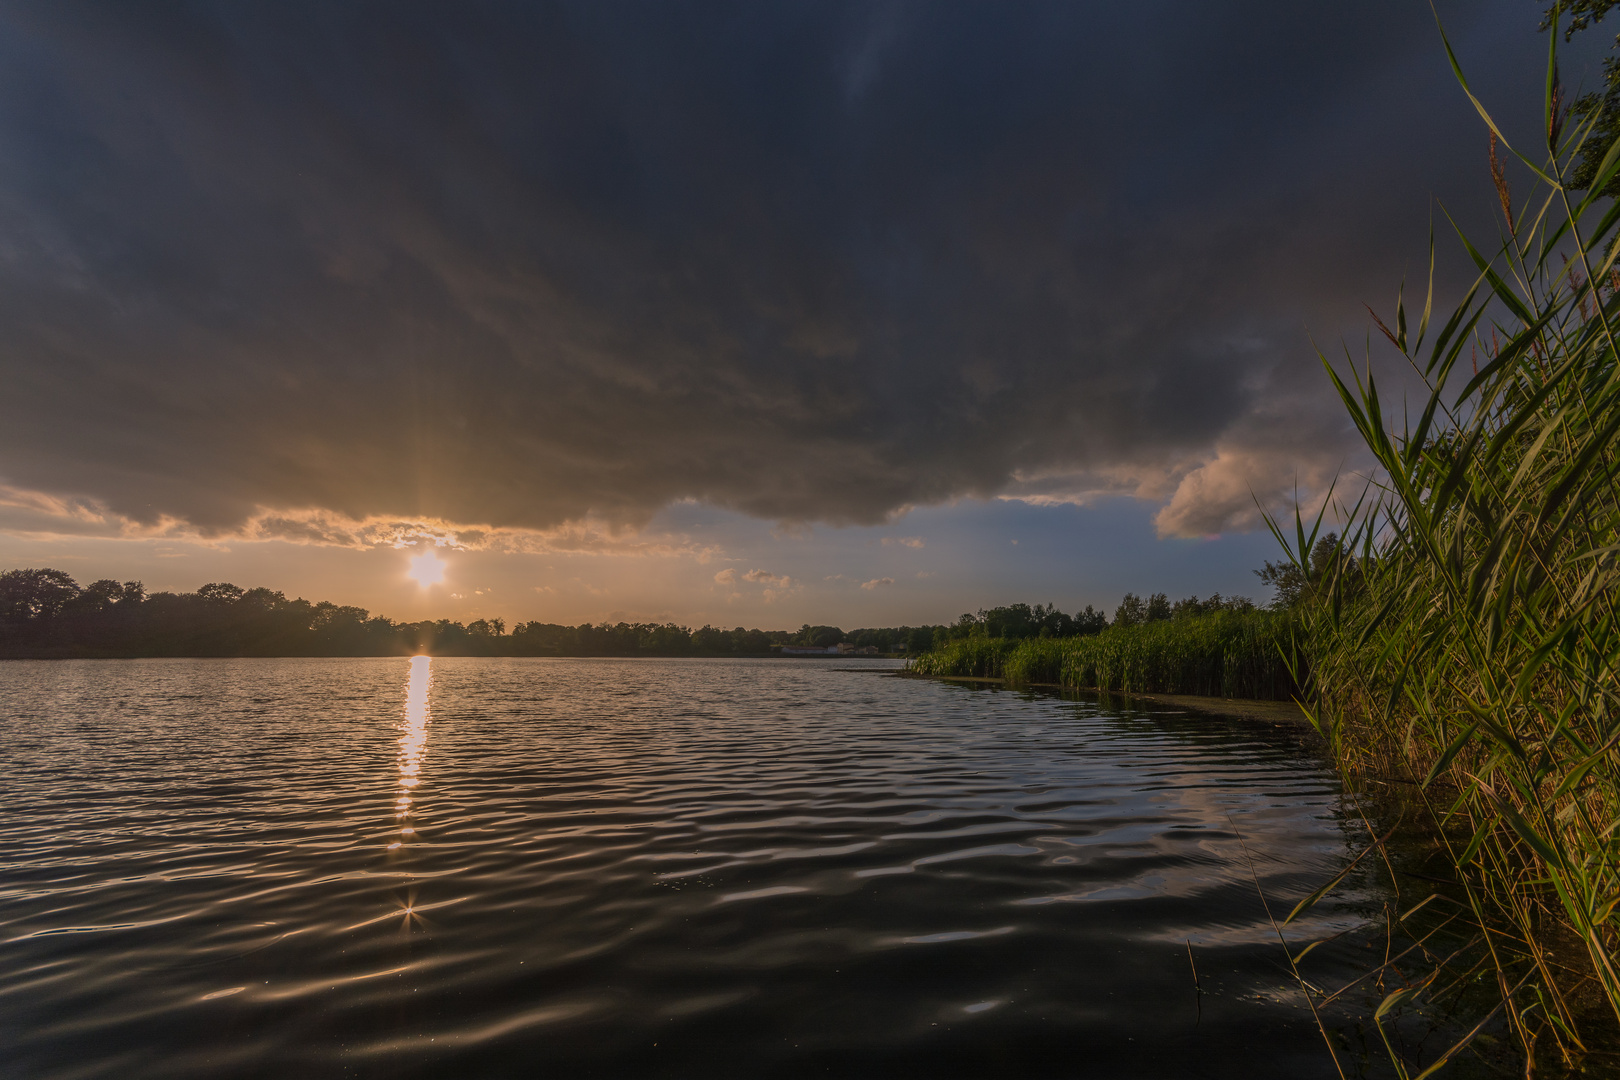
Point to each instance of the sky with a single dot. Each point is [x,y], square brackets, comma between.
[749,314]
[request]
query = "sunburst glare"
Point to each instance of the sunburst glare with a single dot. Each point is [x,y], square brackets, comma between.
[426,569]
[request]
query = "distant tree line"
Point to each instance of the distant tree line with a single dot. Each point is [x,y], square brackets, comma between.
[1016,622]
[45,613]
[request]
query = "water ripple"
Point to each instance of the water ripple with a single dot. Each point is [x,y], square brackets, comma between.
[401,868]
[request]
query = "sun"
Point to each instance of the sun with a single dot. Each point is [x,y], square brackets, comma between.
[426,569]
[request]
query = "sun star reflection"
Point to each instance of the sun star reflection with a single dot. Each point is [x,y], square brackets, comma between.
[409,918]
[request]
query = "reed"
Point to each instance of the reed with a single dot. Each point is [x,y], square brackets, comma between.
[1224,654]
[1465,638]
[970,657]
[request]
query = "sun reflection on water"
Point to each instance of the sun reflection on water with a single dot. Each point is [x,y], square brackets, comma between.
[412,741]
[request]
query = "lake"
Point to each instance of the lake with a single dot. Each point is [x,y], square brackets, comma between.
[519,867]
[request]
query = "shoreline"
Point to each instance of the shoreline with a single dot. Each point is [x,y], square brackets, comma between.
[1271,711]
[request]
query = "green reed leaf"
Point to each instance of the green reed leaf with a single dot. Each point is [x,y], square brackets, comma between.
[1443,762]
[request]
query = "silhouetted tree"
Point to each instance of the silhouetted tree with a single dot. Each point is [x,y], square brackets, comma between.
[1090,621]
[1293,583]
[1131,611]
[221,592]
[818,636]
[97,595]
[1193,606]
[35,595]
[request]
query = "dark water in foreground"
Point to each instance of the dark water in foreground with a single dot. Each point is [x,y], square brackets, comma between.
[236,868]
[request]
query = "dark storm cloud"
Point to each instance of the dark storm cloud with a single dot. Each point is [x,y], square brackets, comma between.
[516,264]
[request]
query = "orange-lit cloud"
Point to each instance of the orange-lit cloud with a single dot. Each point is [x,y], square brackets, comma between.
[38,514]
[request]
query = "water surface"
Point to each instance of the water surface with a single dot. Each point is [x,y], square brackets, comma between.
[469,867]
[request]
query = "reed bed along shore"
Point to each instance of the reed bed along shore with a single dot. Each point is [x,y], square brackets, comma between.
[1464,643]
[1232,654]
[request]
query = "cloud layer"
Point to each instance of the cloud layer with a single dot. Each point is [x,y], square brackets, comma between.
[274,266]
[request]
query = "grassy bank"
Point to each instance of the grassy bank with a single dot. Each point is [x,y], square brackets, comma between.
[1224,654]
